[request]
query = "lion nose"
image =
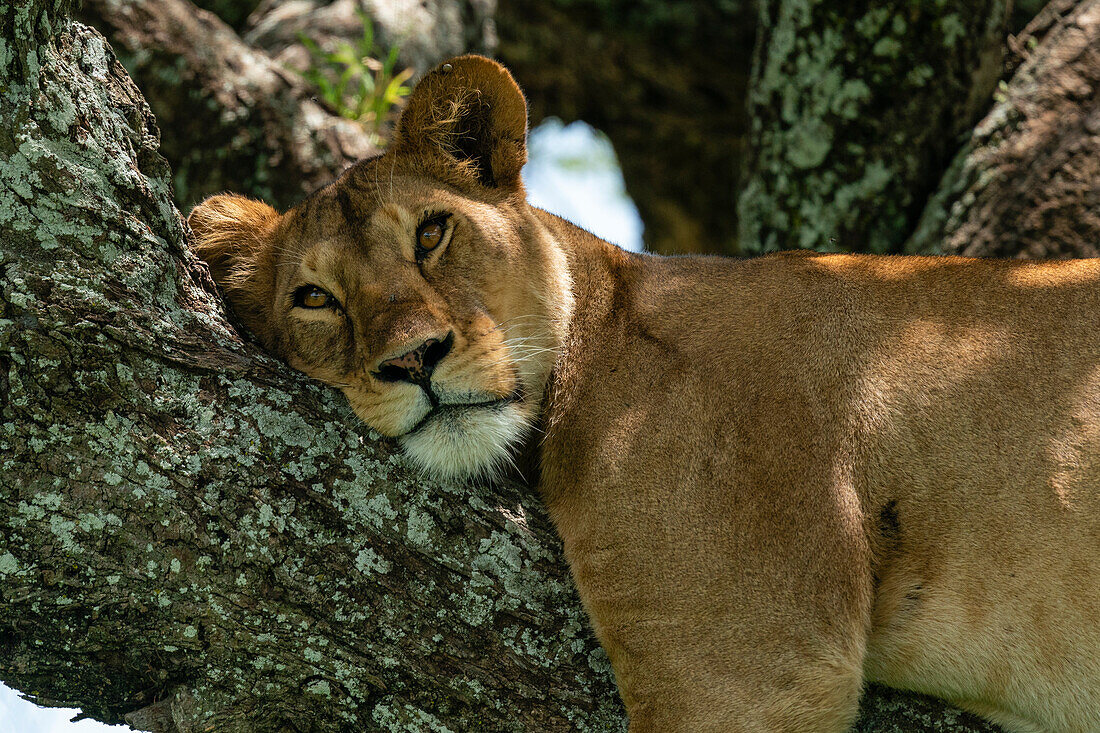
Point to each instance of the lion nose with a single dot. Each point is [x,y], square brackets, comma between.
[417,365]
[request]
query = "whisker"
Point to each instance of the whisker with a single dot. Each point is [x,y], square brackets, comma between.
[542,336]
[510,321]
[532,350]
[537,335]
[532,343]
[520,339]
[511,361]
[518,352]
[525,352]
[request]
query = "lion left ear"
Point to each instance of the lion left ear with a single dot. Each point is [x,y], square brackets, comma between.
[470,111]
[233,235]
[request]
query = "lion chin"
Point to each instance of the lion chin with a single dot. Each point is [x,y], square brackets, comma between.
[466,442]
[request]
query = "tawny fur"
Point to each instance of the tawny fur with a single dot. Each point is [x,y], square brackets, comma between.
[775,479]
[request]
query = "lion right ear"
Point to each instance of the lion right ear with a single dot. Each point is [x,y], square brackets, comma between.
[233,235]
[470,114]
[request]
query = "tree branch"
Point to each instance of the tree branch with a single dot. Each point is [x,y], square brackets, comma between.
[1027,183]
[856,114]
[234,118]
[193,537]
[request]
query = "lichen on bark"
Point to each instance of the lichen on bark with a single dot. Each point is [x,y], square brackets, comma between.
[855,111]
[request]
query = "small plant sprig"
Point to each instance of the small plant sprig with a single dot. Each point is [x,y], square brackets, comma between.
[358,81]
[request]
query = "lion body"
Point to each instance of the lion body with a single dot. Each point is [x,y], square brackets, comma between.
[775,479]
[893,462]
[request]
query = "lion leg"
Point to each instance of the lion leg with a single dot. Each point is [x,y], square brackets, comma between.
[755,624]
[823,700]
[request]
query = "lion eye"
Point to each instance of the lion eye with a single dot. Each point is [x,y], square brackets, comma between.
[311,296]
[429,235]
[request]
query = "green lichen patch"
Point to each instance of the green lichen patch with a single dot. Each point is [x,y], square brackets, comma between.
[856,112]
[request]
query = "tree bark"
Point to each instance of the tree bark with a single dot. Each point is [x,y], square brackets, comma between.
[234,119]
[883,710]
[856,112]
[1027,183]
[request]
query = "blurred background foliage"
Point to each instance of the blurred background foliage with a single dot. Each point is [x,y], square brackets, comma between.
[741,126]
[360,80]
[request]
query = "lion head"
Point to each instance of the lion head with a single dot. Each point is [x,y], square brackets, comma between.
[420,283]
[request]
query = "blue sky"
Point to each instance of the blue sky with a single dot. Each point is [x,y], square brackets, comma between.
[572,172]
[19,716]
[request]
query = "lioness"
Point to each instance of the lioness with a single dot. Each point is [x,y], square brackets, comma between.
[775,478]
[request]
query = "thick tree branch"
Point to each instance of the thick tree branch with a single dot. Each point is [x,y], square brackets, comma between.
[234,119]
[1027,183]
[855,113]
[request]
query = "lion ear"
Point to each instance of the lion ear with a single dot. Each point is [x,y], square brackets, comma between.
[233,235]
[470,111]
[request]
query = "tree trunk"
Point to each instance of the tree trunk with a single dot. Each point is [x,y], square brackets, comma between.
[233,118]
[856,112]
[192,536]
[1027,183]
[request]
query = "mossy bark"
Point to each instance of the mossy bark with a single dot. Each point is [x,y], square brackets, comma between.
[1027,182]
[856,110]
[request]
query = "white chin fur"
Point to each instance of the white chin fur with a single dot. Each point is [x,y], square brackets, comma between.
[471,443]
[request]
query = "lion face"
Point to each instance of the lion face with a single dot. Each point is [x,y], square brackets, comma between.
[420,283]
